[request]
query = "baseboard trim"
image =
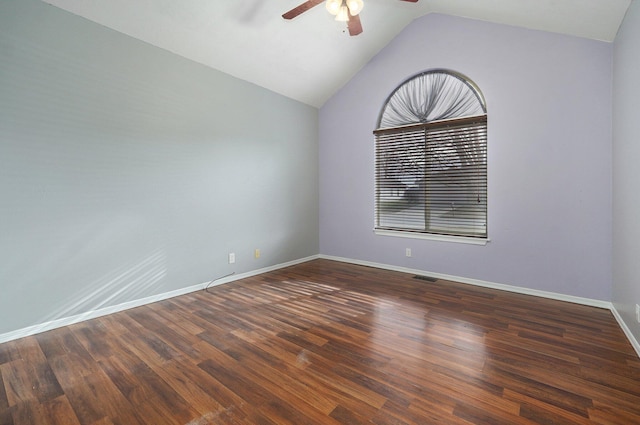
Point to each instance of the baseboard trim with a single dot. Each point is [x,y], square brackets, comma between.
[477,282]
[66,321]
[623,325]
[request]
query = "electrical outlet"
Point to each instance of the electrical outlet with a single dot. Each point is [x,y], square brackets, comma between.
[232,257]
[407,252]
[637,313]
[256,253]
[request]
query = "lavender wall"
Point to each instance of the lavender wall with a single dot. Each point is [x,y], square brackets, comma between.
[626,156]
[549,103]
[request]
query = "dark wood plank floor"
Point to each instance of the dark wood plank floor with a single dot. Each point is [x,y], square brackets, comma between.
[329,343]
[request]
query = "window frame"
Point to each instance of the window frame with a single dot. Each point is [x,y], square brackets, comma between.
[467,231]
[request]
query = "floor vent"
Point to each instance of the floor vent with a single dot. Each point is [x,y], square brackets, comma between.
[427,278]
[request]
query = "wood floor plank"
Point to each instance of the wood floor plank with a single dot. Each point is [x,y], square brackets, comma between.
[175,375]
[326,342]
[539,411]
[59,412]
[18,386]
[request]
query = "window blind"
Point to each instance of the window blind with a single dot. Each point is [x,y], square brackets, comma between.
[432,177]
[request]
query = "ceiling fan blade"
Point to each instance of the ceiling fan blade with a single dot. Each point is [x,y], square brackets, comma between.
[354,25]
[301,8]
[411,1]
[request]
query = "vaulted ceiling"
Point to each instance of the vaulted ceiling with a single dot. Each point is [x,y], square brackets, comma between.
[311,57]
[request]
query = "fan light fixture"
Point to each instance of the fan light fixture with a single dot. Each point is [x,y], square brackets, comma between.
[333,6]
[355,6]
[343,14]
[342,8]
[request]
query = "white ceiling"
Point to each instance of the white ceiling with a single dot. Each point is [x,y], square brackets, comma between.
[311,57]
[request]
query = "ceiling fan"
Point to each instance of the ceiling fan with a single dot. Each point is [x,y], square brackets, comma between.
[344,10]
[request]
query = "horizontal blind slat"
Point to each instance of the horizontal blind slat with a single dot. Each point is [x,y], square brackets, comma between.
[433,177]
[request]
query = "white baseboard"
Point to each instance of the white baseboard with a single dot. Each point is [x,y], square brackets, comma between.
[476,282]
[66,321]
[632,339]
[544,294]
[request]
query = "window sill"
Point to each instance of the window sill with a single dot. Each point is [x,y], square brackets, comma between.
[433,237]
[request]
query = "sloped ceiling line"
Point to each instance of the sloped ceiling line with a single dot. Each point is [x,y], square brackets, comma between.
[309,58]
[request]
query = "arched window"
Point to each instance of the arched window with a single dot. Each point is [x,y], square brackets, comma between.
[431,158]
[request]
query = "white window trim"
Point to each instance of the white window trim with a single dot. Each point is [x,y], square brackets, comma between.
[432,236]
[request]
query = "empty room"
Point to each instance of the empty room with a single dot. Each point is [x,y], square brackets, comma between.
[273,212]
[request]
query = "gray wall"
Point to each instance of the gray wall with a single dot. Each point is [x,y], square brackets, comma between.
[626,174]
[127,171]
[549,106]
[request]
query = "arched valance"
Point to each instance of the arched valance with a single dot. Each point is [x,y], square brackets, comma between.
[432,95]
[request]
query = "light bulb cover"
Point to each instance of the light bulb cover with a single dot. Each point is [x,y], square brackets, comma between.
[355,6]
[333,6]
[343,14]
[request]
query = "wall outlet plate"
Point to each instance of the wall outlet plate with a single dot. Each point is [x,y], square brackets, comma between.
[232,257]
[638,313]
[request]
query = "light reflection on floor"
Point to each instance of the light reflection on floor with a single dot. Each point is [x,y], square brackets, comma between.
[428,333]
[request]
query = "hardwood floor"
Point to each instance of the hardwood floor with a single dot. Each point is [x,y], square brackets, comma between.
[329,343]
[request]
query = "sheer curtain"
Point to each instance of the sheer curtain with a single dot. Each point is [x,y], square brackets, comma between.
[431,96]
